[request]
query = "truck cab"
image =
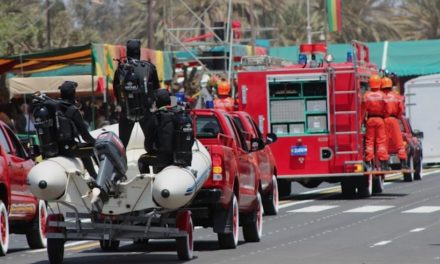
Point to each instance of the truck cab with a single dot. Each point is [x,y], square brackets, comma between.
[230,197]
[20,211]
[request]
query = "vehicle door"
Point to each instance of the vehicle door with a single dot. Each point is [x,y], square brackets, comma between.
[246,166]
[19,164]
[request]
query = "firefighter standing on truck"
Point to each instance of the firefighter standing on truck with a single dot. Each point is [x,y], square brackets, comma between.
[134,84]
[224,101]
[393,112]
[372,113]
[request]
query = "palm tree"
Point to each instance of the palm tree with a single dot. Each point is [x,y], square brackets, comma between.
[419,19]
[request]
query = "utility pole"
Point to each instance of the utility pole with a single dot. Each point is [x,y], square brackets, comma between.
[48,23]
[252,22]
[150,28]
[309,27]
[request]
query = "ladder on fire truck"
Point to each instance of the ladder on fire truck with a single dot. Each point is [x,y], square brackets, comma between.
[360,56]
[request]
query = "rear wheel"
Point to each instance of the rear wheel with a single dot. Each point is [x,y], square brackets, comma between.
[378,183]
[409,176]
[4,229]
[365,186]
[253,229]
[55,250]
[348,188]
[418,168]
[230,239]
[271,200]
[284,187]
[185,245]
[109,245]
[36,236]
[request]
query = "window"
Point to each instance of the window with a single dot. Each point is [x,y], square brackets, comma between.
[4,142]
[299,106]
[239,138]
[207,127]
[19,150]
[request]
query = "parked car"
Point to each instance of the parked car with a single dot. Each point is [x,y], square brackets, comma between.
[230,197]
[267,166]
[414,150]
[20,211]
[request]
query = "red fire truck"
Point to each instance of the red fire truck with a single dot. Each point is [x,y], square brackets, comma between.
[314,109]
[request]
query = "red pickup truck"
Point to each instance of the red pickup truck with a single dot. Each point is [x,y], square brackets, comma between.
[265,160]
[20,211]
[230,197]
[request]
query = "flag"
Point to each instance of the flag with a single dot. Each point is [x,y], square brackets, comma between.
[334,15]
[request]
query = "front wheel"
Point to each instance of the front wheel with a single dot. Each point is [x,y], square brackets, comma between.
[418,167]
[230,240]
[253,230]
[284,187]
[378,184]
[365,186]
[4,229]
[36,236]
[409,176]
[271,200]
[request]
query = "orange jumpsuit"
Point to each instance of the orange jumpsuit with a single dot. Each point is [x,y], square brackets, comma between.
[394,108]
[226,103]
[373,107]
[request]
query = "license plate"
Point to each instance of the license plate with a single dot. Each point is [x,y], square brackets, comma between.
[298,151]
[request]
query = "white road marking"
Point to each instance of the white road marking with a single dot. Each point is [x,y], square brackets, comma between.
[423,210]
[417,229]
[369,209]
[294,203]
[381,243]
[313,209]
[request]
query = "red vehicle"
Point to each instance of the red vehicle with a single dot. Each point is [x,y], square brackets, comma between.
[230,197]
[20,211]
[265,160]
[314,109]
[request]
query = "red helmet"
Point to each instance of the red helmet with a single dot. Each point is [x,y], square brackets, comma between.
[223,88]
[375,82]
[386,83]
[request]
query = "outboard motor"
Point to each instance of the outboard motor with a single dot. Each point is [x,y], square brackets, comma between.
[112,166]
[46,131]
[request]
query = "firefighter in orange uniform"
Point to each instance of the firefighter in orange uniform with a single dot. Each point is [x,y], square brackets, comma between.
[372,113]
[224,101]
[394,108]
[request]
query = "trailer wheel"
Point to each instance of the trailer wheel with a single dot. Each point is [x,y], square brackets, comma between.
[365,186]
[55,250]
[253,230]
[284,187]
[230,240]
[409,176]
[109,245]
[4,229]
[185,245]
[271,200]
[348,188]
[378,184]
[36,236]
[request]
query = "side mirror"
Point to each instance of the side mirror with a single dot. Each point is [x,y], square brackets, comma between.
[257,144]
[418,133]
[271,138]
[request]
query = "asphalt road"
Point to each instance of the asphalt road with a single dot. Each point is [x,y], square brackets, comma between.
[402,225]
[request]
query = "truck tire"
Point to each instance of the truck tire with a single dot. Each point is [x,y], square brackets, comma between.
[109,245]
[409,176]
[284,187]
[418,168]
[55,250]
[378,184]
[253,229]
[230,240]
[348,188]
[271,199]
[36,236]
[4,229]
[365,186]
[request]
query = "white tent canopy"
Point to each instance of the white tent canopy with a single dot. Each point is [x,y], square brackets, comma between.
[30,85]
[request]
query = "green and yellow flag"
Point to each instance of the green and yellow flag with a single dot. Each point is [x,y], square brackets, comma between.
[334,15]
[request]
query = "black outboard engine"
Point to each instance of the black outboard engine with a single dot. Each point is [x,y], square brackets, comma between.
[112,163]
[46,129]
[184,138]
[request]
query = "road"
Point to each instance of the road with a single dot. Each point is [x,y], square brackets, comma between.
[402,225]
